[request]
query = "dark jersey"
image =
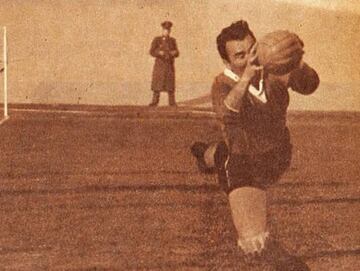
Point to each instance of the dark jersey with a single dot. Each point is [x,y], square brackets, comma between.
[260,126]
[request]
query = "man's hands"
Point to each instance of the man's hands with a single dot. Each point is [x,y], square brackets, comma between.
[280,52]
[164,54]
[173,53]
[252,68]
[167,54]
[234,99]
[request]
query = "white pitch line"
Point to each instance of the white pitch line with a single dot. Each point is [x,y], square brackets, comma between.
[53,111]
[204,112]
[84,112]
[4,119]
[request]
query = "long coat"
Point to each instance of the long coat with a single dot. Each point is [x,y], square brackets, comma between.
[163,77]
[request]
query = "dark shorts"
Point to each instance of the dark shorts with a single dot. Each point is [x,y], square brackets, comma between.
[237,170]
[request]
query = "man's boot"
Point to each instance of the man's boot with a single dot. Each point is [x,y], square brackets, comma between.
[155,99]
[172,99]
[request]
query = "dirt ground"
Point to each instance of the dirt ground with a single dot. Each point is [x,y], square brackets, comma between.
[122,192]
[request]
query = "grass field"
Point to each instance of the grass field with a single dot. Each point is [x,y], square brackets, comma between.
[120,191]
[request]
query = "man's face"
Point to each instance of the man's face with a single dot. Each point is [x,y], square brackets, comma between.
[238,52]
[166,32]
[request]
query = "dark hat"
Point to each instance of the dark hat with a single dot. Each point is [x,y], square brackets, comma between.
[167,25]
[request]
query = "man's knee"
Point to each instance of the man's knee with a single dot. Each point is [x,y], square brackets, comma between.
[216,154]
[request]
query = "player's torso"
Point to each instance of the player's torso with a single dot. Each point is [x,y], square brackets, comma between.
[259,126]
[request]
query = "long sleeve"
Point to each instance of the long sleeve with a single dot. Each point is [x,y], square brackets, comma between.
[220,91]
[304,80]
[154,49]
[235,98]
[175,51]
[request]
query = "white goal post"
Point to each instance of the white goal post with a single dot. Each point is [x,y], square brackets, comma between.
[5,72]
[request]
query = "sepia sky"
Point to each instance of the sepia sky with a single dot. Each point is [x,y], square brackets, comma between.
[335,5]
[97,52]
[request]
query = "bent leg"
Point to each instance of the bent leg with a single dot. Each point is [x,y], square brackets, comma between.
[210,156]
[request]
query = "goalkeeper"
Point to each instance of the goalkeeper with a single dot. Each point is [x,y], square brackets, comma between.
[250,99]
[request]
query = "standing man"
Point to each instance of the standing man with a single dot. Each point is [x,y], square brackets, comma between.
[165,50]
[250,99]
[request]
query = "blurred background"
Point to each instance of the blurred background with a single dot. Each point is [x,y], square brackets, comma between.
[96,52]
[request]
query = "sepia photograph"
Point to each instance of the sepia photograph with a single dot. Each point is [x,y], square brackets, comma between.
[180,135]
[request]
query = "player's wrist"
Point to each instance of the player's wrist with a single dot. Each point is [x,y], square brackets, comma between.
[234,99]
[301,65]
[245,80]
[243,83]
[248,75]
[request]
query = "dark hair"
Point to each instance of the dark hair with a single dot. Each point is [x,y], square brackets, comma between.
[236,31]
